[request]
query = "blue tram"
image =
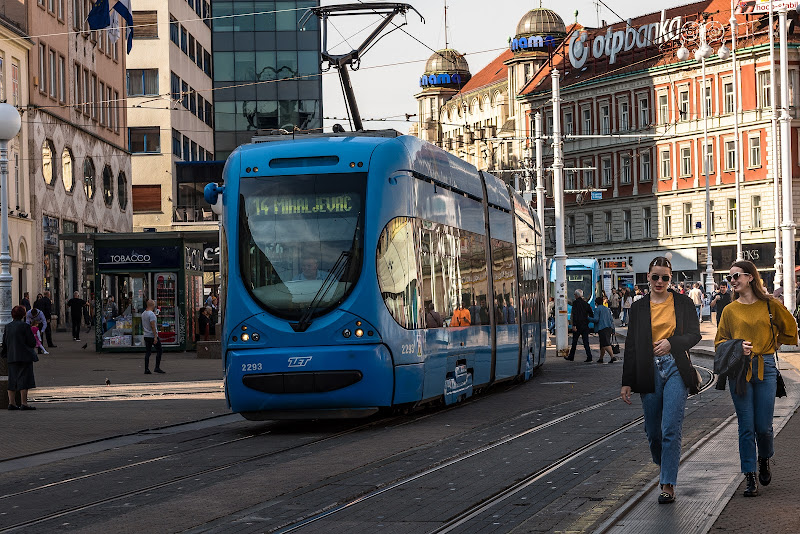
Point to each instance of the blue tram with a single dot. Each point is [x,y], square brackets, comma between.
[369,271]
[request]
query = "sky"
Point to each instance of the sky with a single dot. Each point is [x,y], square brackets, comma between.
[388,78]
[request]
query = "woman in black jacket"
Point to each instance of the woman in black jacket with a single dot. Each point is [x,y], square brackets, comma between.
[663,327]
[18,349]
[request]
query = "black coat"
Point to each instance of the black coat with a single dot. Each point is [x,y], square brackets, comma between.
[581,313]
[18,343]
[730,361]
[637,367]
[46,305]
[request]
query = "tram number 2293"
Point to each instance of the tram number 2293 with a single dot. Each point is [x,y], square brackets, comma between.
[252,367]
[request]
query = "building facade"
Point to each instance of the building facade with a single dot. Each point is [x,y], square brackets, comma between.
[14,47]
[267,71]
[170,112]
[79,165]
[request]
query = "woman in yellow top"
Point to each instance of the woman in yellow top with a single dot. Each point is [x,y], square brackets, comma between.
[748,318]
[663,327]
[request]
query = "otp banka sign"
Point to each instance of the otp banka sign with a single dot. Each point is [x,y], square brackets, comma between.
[614,42]
[439,79]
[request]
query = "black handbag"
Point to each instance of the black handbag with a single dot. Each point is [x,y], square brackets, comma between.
[614,343]
[780,385]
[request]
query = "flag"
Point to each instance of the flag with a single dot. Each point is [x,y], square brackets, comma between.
[100,17]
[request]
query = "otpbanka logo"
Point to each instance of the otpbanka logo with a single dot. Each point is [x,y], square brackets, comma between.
[299,361]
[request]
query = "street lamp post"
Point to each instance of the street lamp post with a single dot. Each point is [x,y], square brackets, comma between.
[788,226]
[10,124]
[694,33]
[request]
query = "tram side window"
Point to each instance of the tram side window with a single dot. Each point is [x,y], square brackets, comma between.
[477,276]
[434,285]
[397,272]
[527,271]
[503,276]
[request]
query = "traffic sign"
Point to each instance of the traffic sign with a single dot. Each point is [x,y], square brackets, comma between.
[597,195]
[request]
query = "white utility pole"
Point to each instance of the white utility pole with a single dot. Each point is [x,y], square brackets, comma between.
[737,152]
[788,225]
[773,142]
[539,171]
[560,256]
[709,259]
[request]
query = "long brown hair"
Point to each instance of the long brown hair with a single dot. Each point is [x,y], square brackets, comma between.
[755,284]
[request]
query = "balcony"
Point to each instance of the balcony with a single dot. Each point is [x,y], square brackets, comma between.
[194,214]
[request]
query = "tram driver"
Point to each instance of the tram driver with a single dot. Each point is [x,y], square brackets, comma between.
[309,270]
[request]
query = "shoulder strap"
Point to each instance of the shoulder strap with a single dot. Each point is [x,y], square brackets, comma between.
[772,330]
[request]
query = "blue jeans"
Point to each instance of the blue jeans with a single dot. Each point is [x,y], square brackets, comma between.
[755,410]
[663,417]
[625,315]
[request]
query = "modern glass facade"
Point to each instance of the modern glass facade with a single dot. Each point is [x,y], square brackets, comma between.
[266,71]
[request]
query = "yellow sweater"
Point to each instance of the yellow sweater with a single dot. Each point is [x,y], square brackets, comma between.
[750,322]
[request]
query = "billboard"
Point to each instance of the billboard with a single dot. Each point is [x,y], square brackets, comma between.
[745,7]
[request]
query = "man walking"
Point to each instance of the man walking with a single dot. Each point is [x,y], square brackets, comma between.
[697,297]
[151,337]
[26,301]
[721,299]
[581,315]
[46,306]
[75,305]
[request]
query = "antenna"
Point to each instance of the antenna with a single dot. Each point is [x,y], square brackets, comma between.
[445,25]
[352,59]
[597,7]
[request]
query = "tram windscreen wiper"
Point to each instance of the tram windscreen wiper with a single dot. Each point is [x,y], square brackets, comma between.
[341,265]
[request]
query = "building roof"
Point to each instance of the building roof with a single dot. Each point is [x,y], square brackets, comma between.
[492,73]
[540,21]
[447,60]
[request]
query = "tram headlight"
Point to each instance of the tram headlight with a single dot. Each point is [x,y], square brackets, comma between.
[346,332]
[359,332]
[256,336]
[245,337]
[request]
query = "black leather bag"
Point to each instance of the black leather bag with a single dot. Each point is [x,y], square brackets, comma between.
[780,386]
[614,344]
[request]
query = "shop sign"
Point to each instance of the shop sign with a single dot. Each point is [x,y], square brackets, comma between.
[444,78]
[746,7]
[534,41]
[116,258]
[761,254]
[50,231]
[194,259]
[614,42]
[210,257]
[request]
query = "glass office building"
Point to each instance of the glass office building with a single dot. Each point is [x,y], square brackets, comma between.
[266,70]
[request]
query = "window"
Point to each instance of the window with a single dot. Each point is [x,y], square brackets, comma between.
[569,180]
[209,112]
[200,108]
[712,223]
[666,164]
[42,68]
[53,73]
[590,228]
[646,173]
[146,198]
[754,151]
[667,211]
[88,177]
[687,218]
[587,121]
[176,143]
[147,140]
[18,185]
[709,161]
[568,123]
[207,63]
[607,171]
[686,161]
[624,117]
[588,176]
[86,100]
[192,101]
[607,222]
[103,106]
[732,220]
[142,82]
[644,112]
[146,23]
[77,78]
[192,48]
[193,151]
[48,162]
[625,174]
[549,123]
[756,208]
[108,186]
[663,109]
[175,86]
[683,104]
[727,91]
[708,103]
[62,79]
[185,94]
[626,224]
[605,119]
[764,78]
[93,89]
[730,155]
[199,54]
[187,151]
[15,83]
[110,107]
[67,171]
[570,230]
[184,40]
[116,111]
[122,191]
[174,31]
[647,223]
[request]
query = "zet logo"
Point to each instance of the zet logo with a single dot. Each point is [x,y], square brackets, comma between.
[299,361]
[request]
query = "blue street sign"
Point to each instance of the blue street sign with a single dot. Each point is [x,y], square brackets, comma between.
[597,195]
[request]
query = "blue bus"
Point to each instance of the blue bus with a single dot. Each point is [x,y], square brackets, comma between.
[583,274]
[370,271]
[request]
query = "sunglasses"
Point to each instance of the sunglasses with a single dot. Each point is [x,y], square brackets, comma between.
[664,277]
[734,276]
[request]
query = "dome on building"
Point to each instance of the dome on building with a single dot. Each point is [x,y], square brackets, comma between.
[541,21]
[447,60]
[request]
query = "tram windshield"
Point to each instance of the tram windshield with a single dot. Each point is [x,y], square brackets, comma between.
[579,279]
[300,240]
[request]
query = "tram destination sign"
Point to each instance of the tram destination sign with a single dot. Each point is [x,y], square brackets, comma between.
[320,204]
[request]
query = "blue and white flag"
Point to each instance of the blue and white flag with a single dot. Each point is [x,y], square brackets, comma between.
[100,17]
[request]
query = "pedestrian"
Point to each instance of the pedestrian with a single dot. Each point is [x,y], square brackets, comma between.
[509,311]
[44,304]
[36,328]
[664,326]
[36,316]
[204,323]
[581,316]
[461,316]
[697,297]
[614,303]
[638,295]
[26,301]
[76,305]
[109,313]
[151,338]
[627,301]
[432,317]
[18,350]
[757,319]
[605,327]
[551,315]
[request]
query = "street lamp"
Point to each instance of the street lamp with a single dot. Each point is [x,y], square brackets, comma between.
[10,123]
[703,35]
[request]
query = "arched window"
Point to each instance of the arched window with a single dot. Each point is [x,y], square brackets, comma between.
[122,191]
[48,156]
[67,170]
[88,177]
[108,186]
[23,253]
